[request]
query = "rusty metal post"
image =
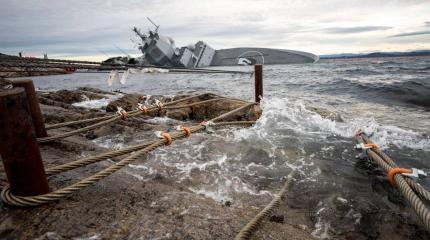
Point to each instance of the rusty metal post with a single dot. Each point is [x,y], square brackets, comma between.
[18,145]
[258,73]
[36,114]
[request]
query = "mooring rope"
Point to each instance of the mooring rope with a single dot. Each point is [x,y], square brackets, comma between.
[80,130]
[424,193]
[104,156]
[22,201]
[419,207]
[114,119]
[71,123]
[252,226]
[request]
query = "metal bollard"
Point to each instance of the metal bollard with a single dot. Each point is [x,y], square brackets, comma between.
[18,145]
[36,114]
[258,73]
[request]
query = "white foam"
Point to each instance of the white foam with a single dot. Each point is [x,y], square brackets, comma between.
[96,103]
[110,141]
[163,120]
[342,200]
[285,114]
[321,227]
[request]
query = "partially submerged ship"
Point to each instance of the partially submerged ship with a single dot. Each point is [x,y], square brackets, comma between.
[161,51]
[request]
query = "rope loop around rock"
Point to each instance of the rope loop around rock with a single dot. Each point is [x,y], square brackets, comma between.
[121,112]
[185,129]
[411,190]
[142,108]
[392,173]
[167,137]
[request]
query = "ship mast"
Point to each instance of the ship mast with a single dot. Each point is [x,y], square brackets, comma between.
[156,26]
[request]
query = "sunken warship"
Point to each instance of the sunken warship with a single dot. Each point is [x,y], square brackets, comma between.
[160,50]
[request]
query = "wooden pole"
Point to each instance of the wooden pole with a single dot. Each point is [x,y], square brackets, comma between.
[18,145]
[33,101]
[258,73]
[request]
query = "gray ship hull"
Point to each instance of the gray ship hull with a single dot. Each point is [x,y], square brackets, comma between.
[160,50]
[231,56]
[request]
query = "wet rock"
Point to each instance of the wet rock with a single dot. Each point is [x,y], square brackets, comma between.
[327,114]
[277,218]
[57,114]
[181,114]
[257,156]
[68,96]
[50,236]
[198,112]
[4,83]
[95,90]
[128,102]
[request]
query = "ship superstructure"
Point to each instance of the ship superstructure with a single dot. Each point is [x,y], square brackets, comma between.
[160,50]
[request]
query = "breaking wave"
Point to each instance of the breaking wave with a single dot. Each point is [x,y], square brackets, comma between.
[293,117]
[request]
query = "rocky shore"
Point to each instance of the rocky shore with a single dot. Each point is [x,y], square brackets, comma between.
[123,206]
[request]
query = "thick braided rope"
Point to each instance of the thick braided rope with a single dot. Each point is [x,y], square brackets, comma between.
[94,159]
[424,193]
[419,207]
[100,124]
[81,130]
[91,127]
[252,226]
[59,125]
[21,201]
[111,154]
[225,115]
[58,194]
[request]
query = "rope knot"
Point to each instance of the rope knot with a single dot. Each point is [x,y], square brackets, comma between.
[208,126]
[363,146]
[160,106]
[122,113]
[142,108]
[394,171]
[166,136]
[207,123]
[185,129]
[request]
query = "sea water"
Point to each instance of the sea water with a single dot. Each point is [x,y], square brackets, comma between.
[388,98]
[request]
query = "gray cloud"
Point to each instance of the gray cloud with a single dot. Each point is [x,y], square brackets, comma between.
[58,27]
[408,34]
[351,30]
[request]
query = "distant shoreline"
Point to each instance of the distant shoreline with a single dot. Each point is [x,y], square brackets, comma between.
[425,53]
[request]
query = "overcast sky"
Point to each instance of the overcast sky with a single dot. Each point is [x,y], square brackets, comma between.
[92,29]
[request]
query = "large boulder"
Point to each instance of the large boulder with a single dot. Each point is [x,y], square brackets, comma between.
[199,112]
[69,96]
[128,102]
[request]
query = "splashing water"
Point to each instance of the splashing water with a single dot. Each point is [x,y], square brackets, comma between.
[387,99]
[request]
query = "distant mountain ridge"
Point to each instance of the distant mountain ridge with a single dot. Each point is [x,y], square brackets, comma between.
[377,54]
